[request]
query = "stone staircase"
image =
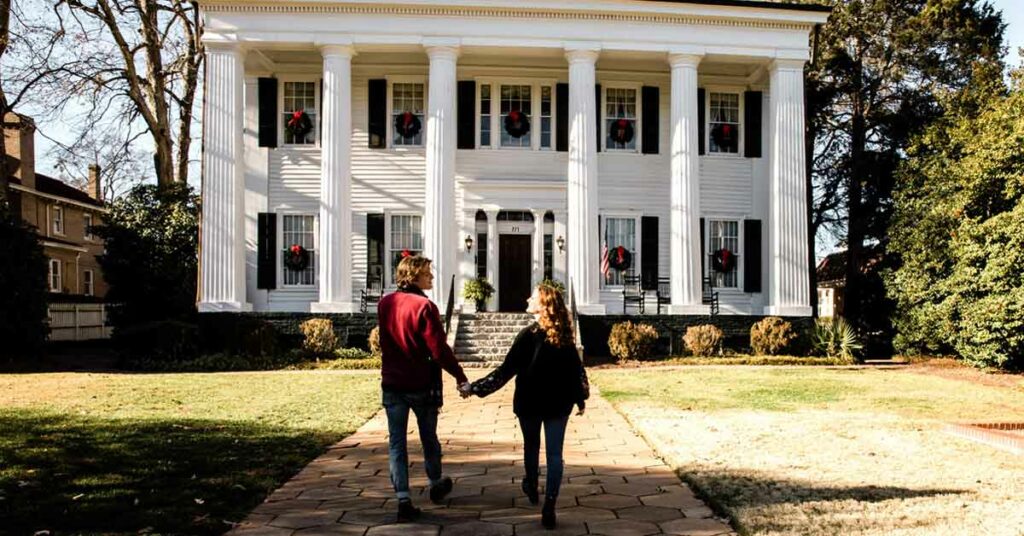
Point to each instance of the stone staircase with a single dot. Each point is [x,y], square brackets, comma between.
[486,337]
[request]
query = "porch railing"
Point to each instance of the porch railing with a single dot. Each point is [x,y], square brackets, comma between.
[576,336]
[450,308]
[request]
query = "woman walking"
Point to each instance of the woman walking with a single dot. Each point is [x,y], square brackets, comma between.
[550,380]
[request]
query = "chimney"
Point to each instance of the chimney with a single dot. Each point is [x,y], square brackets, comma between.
[95,186]
[19,138]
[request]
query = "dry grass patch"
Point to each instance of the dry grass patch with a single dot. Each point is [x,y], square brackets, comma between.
[816,451]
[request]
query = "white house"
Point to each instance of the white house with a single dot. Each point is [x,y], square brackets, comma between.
[511,139]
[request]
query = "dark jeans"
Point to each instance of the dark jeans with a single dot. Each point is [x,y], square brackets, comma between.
[554,437]
[397,406]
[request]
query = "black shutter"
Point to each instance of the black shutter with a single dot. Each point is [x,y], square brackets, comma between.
[374,247]
[266,250]
[562,117]
[597,91]
[266,91]
[649,252]
[377,123]
[467,114]
[703,252]
[752,118]
[651,102]
[752,252]
[700,120]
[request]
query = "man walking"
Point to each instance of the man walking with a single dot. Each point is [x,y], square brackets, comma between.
[414,350]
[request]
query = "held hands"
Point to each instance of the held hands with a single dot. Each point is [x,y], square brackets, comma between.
[465,389]
[582,406]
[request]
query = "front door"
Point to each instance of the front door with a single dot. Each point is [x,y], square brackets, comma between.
[514,266]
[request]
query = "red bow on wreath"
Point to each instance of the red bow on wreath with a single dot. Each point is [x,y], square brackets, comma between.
[407,118]
[620,254]
[406,253]
[514,114]
[296,118]
[621,125]
[296,249]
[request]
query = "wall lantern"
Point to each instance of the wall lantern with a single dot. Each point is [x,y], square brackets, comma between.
[469,243]
[561,243]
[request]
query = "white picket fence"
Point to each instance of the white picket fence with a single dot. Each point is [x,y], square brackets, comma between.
[78,321]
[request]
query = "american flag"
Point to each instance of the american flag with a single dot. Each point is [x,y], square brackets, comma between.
[605,266]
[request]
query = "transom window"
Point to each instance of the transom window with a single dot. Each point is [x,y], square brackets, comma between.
[620,118]
[516,99]
[58,219]
[407,109]
[724,234]
[298,229]
[299,96]
[56,283]
[619,232]
[406,239]
[724,123]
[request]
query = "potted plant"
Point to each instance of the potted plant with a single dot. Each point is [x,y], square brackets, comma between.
[478,291]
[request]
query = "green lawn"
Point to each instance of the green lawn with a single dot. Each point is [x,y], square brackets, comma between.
[163,453]
[830,451]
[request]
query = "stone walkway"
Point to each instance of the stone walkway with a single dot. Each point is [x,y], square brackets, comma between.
[615,484]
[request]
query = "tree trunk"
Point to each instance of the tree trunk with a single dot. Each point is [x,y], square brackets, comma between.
[5,36]
[855,223]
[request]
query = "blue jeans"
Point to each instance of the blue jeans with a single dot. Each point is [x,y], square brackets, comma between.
[554,438]
[397,406]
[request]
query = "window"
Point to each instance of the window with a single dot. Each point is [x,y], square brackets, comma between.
[407,99]
[724,123]
[87,284]
[485,115]
[88,225]
[724,234]
[545,117]
[58,219]
[620,118]
[619,232]
[300,96]
[298,229]
[406,236]
[549,252]
[516,99]
[56,282]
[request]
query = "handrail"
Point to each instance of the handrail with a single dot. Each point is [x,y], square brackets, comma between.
[576,336]
[450,309]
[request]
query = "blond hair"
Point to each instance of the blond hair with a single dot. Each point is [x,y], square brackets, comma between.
[410,269]
[554,316]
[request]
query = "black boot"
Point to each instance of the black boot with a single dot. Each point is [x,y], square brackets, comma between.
[530,489]
[547,514]
[406,511]
[441,490]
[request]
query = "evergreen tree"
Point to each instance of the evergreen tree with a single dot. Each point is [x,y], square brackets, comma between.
[23,289]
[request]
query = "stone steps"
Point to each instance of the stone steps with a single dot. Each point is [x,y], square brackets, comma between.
[486,337]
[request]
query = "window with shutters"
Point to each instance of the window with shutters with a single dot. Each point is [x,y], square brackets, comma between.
[618,231]
[404,238]
[724,123]
[531,106]
[298,230]
[621,128]
[516,111]
[408,114]
[299,96]
[723,235]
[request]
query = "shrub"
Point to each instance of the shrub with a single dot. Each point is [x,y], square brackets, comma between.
[23,325]
[374,341]
[219,362]
[351,353]
[478,289]
[836,338]
[632,341]
[159,341]
[320,339]
[703,340]
[558,285]
[771,336]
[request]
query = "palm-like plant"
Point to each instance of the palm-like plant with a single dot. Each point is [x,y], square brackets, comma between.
[836,338]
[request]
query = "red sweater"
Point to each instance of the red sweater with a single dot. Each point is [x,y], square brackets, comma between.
[413,342]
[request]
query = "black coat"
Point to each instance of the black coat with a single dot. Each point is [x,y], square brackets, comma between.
[549,379]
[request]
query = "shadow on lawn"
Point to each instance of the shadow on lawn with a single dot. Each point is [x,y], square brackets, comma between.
[71,474]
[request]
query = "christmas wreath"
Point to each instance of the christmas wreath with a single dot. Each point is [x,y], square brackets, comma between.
[724,135]
[300,124]
[622,131]
[297,258]
[408,125]
[723,260]
[517,124]
[619,258]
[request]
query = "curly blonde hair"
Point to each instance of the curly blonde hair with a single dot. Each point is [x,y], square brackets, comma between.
[410,268]
[554,316]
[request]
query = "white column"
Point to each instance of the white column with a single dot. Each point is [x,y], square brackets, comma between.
[222,261]
[583,250]
[256,172]
[335,255]
[684,242]
[789,287]
[492,256]
[557,255]
[538,247]
[439,241]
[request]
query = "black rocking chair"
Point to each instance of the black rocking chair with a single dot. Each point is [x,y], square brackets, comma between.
[372,293]
[710,296]
[632,293]
[663,293]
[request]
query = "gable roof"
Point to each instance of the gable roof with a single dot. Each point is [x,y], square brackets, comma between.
[49,185]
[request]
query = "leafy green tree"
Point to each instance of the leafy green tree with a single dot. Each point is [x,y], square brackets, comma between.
[151,259]
[959,230]
[22,289]
[875,84]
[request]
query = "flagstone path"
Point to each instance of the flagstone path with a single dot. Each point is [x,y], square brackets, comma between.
[615,484]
